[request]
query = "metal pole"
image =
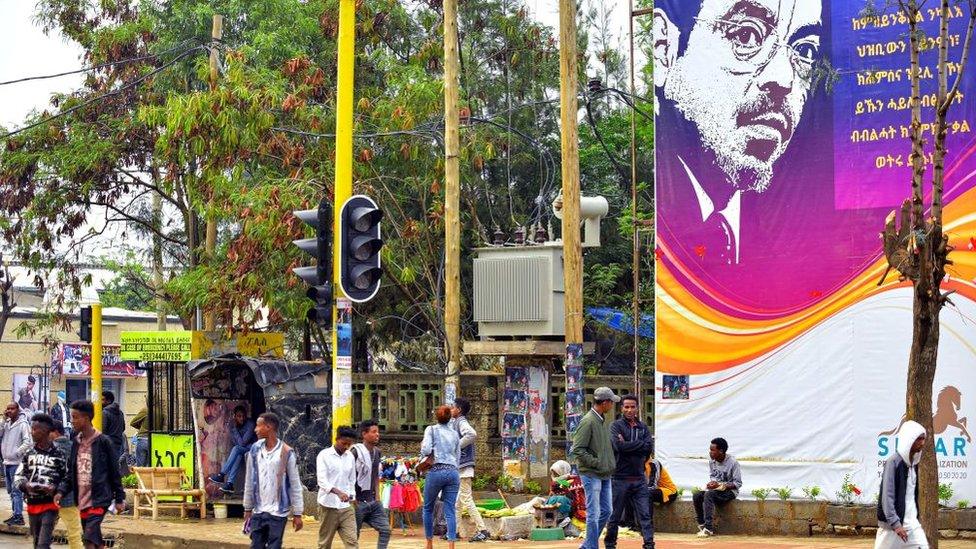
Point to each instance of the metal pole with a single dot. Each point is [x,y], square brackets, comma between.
[635,266]
[96,364]
[342,384]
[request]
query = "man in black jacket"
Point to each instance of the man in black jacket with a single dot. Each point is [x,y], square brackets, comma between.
[633,445]
[113,424]
[94,476]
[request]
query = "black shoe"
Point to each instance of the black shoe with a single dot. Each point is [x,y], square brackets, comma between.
[480,536]
[10,519]
[217,478]
[16,520]
[227,488]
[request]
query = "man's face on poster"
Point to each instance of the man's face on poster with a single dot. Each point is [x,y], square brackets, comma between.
[743,78]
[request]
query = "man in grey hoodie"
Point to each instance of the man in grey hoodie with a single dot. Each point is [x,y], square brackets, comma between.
[898,524]
[724,481]
[16,434]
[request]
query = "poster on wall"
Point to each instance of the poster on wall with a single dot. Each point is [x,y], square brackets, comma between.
[575,398]
[771,189]
[215,419]
[74,359]
[27,392]
[538,421]
[344,334]
[514,409]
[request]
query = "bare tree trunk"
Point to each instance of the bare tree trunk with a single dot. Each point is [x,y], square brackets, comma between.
[7,303]
[919,250]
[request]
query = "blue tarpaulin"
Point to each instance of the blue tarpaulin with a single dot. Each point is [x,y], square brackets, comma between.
[621,321]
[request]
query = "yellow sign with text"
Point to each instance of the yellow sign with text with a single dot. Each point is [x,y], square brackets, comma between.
[156,346]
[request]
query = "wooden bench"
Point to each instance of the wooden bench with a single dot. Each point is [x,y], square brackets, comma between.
[166,482]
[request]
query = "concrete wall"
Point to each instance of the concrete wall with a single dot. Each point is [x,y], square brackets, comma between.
[18,356]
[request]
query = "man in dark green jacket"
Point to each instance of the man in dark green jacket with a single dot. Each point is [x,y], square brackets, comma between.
[593,453]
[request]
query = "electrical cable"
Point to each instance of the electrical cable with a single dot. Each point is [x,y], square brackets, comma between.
[124,87]
[100,65]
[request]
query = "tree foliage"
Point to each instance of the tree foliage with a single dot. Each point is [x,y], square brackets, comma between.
[256,144]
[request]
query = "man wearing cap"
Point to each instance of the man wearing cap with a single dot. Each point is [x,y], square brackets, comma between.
[593,453]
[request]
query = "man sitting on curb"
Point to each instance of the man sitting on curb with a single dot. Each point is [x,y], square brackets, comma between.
[724,481]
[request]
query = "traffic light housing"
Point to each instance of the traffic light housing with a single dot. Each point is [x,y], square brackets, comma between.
[85,332]
[319,277]
[360,243]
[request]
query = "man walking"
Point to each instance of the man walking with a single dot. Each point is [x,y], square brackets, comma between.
[466,467]
[593,453]
[16,434]
[43,478]
[272,487]
[336,472]
[367,456]
[724,481]
[113,424]
[633,445]
[67,508]
[93,474]
[898,524]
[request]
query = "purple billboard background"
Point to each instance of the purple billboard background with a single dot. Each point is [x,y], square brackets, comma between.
[815,225]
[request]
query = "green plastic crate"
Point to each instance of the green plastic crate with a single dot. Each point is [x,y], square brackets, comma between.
[547,534]
[491,504]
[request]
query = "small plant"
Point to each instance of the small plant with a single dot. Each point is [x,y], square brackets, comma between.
[811,492]
[130,481]
[532,487]
[849,493]
[963,504]
[784,493]
[481,482]
[762,493]
[945,493]
[504,483]
[681,493]
[695,490]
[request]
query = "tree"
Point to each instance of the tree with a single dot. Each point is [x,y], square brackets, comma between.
[916,245]
[7,302]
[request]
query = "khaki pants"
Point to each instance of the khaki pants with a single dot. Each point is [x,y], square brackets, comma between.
[72,523]
[466,501]
[342,521]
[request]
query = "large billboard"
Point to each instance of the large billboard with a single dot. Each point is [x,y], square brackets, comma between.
[781,146]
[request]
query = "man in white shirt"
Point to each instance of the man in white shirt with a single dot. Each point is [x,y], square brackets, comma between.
[336,472]
[272,486]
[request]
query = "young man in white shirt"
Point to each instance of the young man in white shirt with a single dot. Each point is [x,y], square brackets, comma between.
[466,467]
[335,468]
[272,487]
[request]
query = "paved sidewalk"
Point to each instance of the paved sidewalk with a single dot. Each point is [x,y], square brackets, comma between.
[226,534]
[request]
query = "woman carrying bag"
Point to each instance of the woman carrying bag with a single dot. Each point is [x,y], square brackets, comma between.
[441,450]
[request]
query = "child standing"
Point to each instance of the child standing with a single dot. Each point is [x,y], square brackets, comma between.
[43,479]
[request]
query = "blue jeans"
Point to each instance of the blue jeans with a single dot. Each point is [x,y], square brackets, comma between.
[142,451]
[444,482]
[599,503]
[16,498]
[232,465]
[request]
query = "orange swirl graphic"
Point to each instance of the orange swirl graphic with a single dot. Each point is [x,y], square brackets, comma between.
[693,338]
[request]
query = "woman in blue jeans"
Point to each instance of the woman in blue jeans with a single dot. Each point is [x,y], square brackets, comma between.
[442,479]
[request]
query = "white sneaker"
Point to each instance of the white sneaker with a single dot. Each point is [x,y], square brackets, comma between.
[705,533]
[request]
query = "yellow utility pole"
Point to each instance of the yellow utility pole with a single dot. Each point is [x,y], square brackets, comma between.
[216,32]
[452,193]
[96,363]
[569,109]
[345,83]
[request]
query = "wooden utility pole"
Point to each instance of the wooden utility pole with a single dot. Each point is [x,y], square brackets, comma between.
[569,109]
[216,32]
[452,193]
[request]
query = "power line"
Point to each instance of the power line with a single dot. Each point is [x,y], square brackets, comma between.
[99,66]
[98,98]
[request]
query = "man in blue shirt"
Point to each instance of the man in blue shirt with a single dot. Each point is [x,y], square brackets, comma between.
[243,436]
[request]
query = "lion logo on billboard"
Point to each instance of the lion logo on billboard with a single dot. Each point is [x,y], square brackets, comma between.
[947,406]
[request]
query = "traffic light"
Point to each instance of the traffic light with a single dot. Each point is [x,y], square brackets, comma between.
[319,277]
[85,333]
[359,248]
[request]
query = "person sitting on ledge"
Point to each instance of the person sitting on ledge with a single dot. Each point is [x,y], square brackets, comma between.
[244,436]
[663,489]
[724,481]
